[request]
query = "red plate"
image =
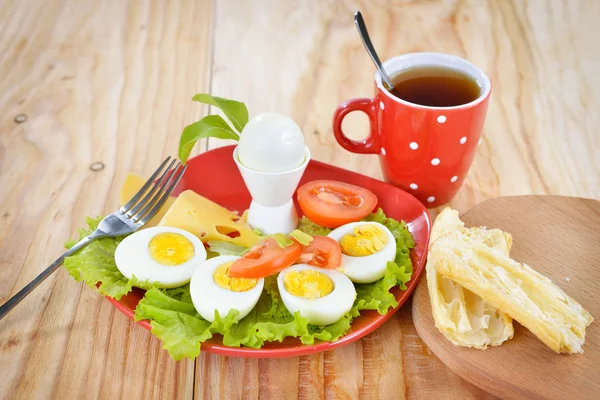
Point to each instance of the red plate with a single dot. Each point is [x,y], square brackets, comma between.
[214,175]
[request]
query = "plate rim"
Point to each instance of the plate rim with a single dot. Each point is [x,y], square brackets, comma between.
[320,346]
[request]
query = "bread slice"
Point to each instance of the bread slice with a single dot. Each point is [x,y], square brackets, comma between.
[515,288]
[460,315]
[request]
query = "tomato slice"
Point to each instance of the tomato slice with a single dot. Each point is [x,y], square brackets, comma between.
[333,204]
[323,252]
[264,259]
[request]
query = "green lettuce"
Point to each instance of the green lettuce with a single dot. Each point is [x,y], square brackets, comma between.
[175,321]
[95,263]
[307,226]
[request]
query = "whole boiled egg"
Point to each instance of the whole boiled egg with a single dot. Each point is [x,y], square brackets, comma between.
[322,296]
[212,289]
[271,142]
[366,249]
[163,255]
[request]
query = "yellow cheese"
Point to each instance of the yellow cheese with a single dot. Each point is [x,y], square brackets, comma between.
[208,220]
[132,184]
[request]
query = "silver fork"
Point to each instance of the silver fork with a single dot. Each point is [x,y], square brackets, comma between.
[127,219]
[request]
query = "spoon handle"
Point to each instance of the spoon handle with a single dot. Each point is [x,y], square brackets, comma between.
[364,35]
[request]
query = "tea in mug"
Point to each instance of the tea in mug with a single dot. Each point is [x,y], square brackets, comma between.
[436,86]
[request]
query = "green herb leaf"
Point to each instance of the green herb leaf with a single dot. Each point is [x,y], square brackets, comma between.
[282,240]
[302,238]
[209,126]
[235,111]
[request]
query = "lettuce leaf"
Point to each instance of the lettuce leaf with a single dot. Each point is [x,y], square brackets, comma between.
[307,226]
[174,321]
[95,263]
[178,325]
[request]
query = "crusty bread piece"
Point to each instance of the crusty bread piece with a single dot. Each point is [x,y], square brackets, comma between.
[515,288]
[460,315]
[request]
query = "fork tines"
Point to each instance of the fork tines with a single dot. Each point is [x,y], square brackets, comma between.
[155,192]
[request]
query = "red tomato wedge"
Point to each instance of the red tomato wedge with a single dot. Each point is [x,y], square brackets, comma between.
[264,259]
[333,204]
[323,252]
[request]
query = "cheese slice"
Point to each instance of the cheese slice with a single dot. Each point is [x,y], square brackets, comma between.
[461,316]
[208,220]
[514,288]
[132,184]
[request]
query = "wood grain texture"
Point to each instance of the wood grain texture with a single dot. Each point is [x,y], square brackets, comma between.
[98,82]
[110,81]
[524,366]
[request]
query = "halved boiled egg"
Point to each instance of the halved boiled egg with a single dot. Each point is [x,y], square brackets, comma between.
[366,249]
[163,255]
[322,296]
[212,289]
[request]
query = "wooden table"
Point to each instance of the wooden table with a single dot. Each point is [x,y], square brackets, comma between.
[90,90]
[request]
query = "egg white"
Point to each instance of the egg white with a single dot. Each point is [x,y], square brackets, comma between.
[365,269]
[207,296]
[133,258]
[327,309]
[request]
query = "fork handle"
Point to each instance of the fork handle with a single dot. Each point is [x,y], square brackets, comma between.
[16,299]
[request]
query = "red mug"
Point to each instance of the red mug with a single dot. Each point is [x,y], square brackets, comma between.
[425,150]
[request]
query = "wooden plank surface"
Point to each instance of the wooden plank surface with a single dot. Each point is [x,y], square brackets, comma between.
[524,366]
[110,82]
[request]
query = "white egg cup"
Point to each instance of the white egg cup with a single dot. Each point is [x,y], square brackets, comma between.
[272,209]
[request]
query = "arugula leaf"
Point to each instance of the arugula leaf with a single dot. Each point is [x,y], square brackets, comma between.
[209,126]
[235,111]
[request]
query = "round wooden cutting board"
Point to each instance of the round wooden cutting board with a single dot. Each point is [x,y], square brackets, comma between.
[560,238]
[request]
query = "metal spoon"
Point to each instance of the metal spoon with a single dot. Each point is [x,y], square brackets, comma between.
[364,35]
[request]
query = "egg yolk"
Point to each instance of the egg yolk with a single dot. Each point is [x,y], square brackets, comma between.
[170,249]
[222,279]
[367,240]
[307,283]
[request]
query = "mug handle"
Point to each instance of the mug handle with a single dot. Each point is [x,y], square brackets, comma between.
[371,144]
